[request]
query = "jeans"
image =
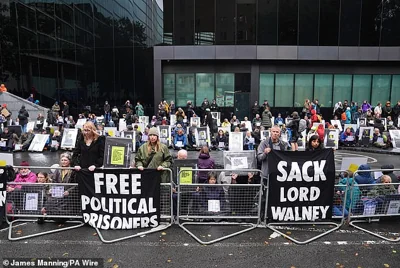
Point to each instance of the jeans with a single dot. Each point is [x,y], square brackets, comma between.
[23,128]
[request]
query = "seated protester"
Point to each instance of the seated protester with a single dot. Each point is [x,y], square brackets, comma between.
[62,203]
[138,136]
[321,132]
[39,121]
[248,142]
[221,141]
[55,141]
[70,123]
[352,198]
[257,121]
[164,121]
[15,192]
[153,120]
[203,195]
[379,125]
[347,137]
[60,122]
[243,128]
[180,140]
[394,178]
[6,141]
[26,140]
[314,144]
[370,118]
[185,122]
[379,140]
[100,130]
[180,115]
[390,124]
[191,138]
[243,200]
[279,120]
[382,190]
[226,123]
[365,177]
[145,135]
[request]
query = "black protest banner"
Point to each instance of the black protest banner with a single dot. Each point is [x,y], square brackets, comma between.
[3,187]
[301,185]
[120,199]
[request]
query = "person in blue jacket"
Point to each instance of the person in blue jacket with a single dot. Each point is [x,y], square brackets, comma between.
[364,177]
[180,140]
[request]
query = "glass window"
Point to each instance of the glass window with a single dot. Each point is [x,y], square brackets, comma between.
[225,22]
[267,84]
[370,22]
[284,90]
[184,89]
[308,22]
[304,84]
[225,84]
[395,89]
[183,22]
[169,87]
[350,12]
[380,89]
[287,18]
[205,22]
[246,22]
[168,21]
[323,89]
[329,22]
[204,88]
[342,88]
[267,22]
[361,88]
[390,35]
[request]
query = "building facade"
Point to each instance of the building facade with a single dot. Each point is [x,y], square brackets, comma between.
[283,51]
[82,51]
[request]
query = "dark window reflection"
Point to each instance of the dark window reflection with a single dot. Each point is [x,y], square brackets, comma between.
[225,22]
[308,22]
[246,22]
[168,21]
[205,22]
[288,10]
[183,22]
[370,22]
[329,22]
[350,23]
[391,23]
[267,22]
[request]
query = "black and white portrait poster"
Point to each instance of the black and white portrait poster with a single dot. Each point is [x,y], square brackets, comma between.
[395,135]
[331,138]
[203,136]
[301,185]
[120,199]
[69,138]
[165,134]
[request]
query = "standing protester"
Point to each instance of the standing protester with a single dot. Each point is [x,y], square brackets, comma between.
[23,116]
[65,111]
[270,143]
[396,113]
[204,105]
[89,151]
[139,109]
[6,113]
[294,126]
[387,110]
[154,154]
[115,115]
[266,118]
[255,109]
[214,106]
[107,116]
[55,109]
[129,116]
[127,105]
[189,109]
[265,105]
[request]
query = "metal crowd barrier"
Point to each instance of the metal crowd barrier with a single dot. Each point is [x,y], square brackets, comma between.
[339,203]
[29,202]
[376,201]
[219,204]
[166,213]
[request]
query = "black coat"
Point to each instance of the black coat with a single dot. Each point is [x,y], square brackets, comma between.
[85,156]
[23,117]
[66,110]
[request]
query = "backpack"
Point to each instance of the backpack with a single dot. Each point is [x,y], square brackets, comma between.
[302,125]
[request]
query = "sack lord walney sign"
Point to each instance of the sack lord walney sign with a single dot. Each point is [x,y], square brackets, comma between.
[120,199]
[301,185]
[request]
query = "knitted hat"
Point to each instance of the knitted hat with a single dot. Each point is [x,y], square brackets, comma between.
[154,131]
[24,164]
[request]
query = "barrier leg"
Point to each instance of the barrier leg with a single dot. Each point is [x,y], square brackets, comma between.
[354,224]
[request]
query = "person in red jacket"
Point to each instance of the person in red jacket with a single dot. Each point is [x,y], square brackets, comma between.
[321,132]
[314,117]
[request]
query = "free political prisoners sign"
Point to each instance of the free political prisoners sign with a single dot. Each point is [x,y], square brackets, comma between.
[301,185]
[120,199]
[3,186]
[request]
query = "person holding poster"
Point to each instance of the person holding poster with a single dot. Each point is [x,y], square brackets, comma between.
[271,143]
[89,152]
[154,154]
